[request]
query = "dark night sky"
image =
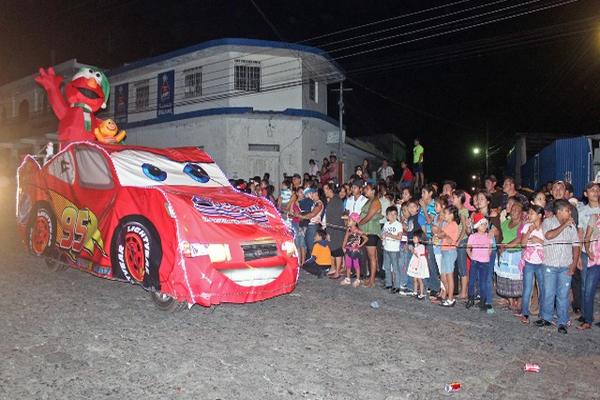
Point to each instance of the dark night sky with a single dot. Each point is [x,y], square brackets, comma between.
[504,75]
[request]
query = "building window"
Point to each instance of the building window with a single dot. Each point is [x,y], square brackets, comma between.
[263,147]
[142,95]
[247,75]
[313,92]
[193,82]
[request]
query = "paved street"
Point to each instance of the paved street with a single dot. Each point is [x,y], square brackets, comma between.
[70,335]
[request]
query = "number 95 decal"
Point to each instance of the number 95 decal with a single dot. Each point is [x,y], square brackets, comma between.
[78,228]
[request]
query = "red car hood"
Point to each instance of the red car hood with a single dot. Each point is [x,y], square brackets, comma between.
[224,215]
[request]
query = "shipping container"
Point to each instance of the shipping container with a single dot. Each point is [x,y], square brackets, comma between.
[569,160]
[530,177]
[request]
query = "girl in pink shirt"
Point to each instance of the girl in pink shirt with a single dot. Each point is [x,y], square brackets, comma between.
[479,250]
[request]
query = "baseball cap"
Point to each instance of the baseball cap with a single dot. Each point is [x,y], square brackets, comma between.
[308,191]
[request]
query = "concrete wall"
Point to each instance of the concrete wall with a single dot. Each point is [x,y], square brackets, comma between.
[209,133]
[257,145]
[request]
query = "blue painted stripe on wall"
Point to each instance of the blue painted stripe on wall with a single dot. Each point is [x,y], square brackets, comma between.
[294,112]
[224,42]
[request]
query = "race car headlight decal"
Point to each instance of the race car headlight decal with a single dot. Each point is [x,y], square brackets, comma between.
[289,247]
[153,172]
[216,252]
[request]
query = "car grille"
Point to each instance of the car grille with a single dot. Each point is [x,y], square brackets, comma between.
[256,251]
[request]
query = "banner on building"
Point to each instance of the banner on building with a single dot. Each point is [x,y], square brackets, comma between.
[121,103]
[165,93]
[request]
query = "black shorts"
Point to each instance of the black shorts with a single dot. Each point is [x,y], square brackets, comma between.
[373,240]
[418,168]
[337,253]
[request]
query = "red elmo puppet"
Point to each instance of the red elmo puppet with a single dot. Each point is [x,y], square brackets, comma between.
[86,93]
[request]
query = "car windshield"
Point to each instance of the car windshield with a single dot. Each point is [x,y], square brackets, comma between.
[141,168]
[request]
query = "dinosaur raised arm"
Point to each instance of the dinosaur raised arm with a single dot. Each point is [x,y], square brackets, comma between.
[51,83]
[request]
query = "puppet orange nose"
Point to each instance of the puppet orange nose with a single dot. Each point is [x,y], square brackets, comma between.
[92,83]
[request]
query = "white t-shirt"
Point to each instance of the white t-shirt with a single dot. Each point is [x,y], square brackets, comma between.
[313,169]
[394,228]
[354,206]
[385,172]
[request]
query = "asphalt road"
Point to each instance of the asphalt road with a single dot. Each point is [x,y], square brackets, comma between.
[70,335]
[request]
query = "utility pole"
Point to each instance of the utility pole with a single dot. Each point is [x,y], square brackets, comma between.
[341,119]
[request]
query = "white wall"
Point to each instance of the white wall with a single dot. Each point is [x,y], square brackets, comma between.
[208,132]
[243,131]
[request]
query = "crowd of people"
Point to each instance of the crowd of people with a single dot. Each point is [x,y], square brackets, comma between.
[529,252]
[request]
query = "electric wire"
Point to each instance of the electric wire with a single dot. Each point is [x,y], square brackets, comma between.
[416,39]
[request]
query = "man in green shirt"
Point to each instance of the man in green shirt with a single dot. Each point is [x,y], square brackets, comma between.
[418,164]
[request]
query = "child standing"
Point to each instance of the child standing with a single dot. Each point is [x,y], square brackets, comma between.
[391,235]
[299,230]
[320,262]
[284,196]
[412,226]
[479,249]
[354,240]
[532,241]
[418,268]
[449,236]
[404,253]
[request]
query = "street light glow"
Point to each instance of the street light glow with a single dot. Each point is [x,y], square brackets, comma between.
[474,177]
[476,150]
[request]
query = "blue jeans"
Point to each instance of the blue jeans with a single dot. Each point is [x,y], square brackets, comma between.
[479,272]
[433,282]
[489,288]
[309,236]
[556,288]
[583,276]
[529,272]
[461,257]
[591,283]
[391,266]
[404,279]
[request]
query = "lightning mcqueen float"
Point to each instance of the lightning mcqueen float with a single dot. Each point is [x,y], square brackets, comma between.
[166,219]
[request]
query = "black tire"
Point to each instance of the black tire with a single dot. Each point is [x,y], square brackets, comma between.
[136,252]
[165,302]
[41,231]
[54,265]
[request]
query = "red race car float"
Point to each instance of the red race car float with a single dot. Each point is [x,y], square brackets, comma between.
[166,219]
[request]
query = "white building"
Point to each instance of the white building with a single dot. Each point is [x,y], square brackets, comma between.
[256,106]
